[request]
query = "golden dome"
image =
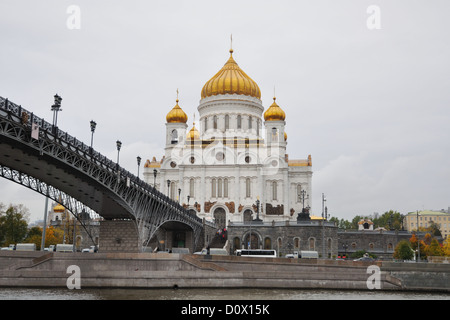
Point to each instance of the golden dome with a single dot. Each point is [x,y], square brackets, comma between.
[176,115]
[232,80]
[285,136]
[58,208]
[193,134]
[274,113]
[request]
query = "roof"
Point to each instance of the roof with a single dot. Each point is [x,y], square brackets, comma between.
[429,213]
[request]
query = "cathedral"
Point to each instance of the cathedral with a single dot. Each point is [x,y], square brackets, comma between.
[232,165]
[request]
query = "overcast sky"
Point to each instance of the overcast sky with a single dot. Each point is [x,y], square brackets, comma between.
[371,106]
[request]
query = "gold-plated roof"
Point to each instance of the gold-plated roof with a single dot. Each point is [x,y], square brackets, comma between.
[152,164]
[176,115]
[193,134]
[58,208]
[231,80]
[274,113]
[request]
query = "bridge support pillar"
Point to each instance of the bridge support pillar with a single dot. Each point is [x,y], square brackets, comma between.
[118,236]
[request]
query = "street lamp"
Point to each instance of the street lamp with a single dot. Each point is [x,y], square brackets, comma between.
[93,125]
[155,172]
[119,145]
[56,107]
[418,241]
[168,188]
[345,246]
[188,198]
[179,194]
[138,163]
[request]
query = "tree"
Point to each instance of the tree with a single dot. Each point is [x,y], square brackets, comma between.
[403,251]
[13,224]
[446,247]
[434,249]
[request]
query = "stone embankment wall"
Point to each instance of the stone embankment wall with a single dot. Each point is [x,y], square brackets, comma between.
[163,270]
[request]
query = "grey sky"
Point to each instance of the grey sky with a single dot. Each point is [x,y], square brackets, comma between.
[370,106]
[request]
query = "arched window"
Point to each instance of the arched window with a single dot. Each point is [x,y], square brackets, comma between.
[312,244]
[248,188]
[174,136]
[274,134]
[219,188]
[213,188]
[206,123]
[215,122]
[191,188]
[250,122]
[225,188]
[239,122]
[299,193]
[227,122]
[274,190]
[296,243]
[267,243]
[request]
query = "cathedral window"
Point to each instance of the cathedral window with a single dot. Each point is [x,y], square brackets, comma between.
[213,188]
[215,122]
[219,188]
[206,123]
[239,122]
[225,188]
[174,137]
[191,188]
[274,134]
[299,193]
[274,190]
[248,186]
[227,122]
[250,122]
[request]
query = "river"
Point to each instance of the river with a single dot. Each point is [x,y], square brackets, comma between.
[211,294]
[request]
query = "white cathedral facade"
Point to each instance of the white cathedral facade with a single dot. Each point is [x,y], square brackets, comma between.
[233,164]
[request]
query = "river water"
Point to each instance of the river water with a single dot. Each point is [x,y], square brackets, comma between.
[210,294]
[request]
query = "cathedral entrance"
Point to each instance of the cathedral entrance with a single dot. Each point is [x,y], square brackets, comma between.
[220,218]
[248,215]
[251,242]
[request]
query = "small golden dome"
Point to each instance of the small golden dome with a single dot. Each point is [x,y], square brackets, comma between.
[58,208]
[176,115]
[274,113]
[193,134]
[285,136]
[232,80]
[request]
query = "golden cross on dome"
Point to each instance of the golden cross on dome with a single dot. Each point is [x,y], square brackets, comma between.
[177,94]
[231,43]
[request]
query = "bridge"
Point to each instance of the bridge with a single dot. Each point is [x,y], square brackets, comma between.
[40,156]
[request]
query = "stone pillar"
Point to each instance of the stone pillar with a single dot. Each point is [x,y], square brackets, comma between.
[118,236]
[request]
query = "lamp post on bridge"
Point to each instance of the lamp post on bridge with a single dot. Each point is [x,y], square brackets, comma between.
[155,172]
[138,163]
[93,126]
[56,107]
[168,188]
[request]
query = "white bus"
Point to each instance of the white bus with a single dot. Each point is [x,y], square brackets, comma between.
[260,253]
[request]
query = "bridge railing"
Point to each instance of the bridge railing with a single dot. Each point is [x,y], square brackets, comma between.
[28,118]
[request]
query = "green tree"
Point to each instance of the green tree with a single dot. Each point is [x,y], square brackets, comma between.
[13,224]
[403,251]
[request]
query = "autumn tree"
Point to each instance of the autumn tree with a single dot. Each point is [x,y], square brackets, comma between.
[403,251]
[13,224]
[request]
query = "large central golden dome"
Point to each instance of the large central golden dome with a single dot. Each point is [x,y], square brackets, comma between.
[232,80]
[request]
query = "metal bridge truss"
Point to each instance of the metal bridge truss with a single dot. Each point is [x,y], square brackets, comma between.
[130,197]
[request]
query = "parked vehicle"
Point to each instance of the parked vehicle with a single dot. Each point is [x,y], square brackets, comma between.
[303,255]
[26,247]
[213,251]
[91,249]
[257,253]
[9,248]
[64,247]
